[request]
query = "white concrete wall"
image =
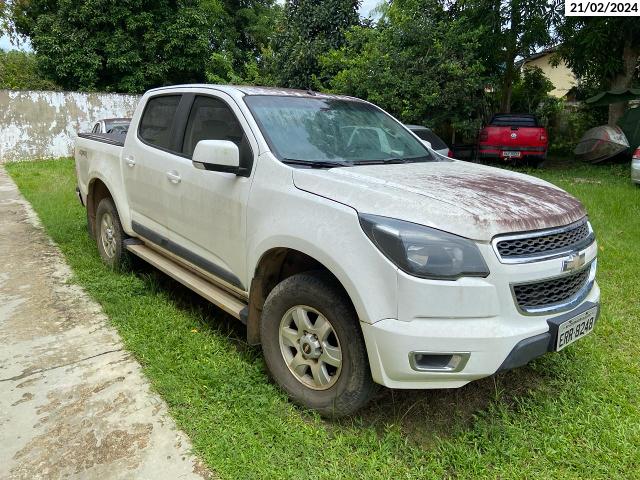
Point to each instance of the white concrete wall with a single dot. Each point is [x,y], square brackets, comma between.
[44,124]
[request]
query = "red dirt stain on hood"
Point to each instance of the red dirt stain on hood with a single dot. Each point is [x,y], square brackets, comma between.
[467,199]
[521,202]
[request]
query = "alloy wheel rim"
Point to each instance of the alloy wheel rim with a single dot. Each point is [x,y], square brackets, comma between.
[106,235]
[310,347]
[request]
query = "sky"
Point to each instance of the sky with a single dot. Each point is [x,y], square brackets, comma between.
[367,6]
[365,9]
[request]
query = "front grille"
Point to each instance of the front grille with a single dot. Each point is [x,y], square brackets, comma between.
[574,237]
[550,292]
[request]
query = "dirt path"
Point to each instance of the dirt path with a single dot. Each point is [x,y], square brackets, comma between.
[73,403]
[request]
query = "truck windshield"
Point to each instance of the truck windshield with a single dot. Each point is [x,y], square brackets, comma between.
[327,131]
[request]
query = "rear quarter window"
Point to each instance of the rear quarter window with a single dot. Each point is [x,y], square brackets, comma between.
[514,121]
[157,119]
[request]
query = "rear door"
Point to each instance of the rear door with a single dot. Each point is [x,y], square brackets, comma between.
[207,211]
[145,158]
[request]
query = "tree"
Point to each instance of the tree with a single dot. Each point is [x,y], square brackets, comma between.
[511,29]
[247,50]
[530,90]
[308,29]
[3,17]
[19,71]
[134,45]
[604,51]
[418,62]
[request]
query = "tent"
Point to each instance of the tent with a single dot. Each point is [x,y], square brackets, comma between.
[614,96]
[630,121]
[630,124]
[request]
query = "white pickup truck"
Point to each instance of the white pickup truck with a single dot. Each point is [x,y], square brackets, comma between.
[354,255]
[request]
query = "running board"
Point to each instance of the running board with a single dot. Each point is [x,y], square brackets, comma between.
[208,290]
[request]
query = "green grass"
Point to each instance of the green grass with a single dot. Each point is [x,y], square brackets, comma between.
[570,415]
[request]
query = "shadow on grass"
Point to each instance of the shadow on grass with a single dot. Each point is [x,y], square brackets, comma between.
[423,416]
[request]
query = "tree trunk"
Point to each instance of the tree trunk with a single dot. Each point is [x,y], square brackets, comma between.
[515,16]
[624,80]
[507,85]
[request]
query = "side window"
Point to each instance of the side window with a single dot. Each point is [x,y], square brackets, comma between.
[156,121]
[212,119]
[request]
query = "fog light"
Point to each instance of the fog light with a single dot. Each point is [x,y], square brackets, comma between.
[449,362]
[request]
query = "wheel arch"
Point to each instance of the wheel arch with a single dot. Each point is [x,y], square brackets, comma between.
[275,265]
[98,189]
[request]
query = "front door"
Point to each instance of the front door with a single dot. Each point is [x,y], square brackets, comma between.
[207,210]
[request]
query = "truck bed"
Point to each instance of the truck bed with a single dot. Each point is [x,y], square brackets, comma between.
[110,138]
[99,156]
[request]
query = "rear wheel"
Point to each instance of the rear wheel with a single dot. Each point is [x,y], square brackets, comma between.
[313,345]
[110,236]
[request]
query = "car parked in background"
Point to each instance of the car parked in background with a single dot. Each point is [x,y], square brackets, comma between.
[635,166]
[517,138]
[437,144]
[116,126]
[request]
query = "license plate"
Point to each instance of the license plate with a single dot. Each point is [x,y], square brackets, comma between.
[575,328]
[511,154]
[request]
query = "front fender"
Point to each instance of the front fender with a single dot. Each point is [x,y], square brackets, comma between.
[330,233]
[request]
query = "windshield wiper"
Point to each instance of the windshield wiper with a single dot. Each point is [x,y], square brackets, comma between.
[385,161]
[315,163]
[391,161]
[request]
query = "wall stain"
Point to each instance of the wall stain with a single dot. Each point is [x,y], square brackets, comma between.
[37,125]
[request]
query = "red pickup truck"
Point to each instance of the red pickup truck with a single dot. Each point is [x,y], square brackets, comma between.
[514,137]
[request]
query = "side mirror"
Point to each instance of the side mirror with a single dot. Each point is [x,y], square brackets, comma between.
[217,156]
[427,144]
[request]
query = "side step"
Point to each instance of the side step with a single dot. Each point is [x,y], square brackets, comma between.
[211,292]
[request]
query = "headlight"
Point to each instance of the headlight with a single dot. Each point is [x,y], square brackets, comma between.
[422,251]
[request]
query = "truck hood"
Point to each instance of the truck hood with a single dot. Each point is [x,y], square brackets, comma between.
[470,200]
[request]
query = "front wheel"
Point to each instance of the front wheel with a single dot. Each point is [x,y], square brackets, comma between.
[313,345]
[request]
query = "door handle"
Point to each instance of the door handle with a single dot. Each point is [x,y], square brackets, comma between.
[173,176]
[130,161]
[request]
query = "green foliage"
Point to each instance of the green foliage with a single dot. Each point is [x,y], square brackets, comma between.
[530,90]
[308,29]
[567,125]
[134,45]
[510,29]
[602,51]
[593,47]
[19,71]
[3,17]
[418,62]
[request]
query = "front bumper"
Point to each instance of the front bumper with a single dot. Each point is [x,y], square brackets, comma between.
[467,329]
[528,153]
[493,344]
[536,346]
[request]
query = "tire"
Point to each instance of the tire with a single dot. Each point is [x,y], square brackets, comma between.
[316,379]
[110,236]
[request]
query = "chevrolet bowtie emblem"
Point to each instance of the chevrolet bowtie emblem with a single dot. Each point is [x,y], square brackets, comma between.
[574,262]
